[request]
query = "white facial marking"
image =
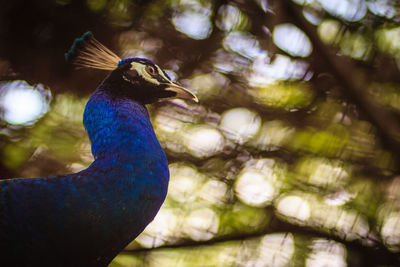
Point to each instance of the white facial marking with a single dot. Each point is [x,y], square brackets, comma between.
[162,73]
[141,70]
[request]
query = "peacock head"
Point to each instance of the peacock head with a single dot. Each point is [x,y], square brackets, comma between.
[142,80]
[136,78]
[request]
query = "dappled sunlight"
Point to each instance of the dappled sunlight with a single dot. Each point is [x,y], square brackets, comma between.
[287,96]
[273,134]
[291,155]
[322,172]
[389,40]
[231,18]
[390,231]
[243,44]
[339,198]
[350,10]
[348,224]
[276,249]
[215,255]
[386,94]
[355,46]
[168,123]
[172,122]
[312,15]
[254,189]
[192,19]
[70,145]
[329,30]
[207,85]
[22,103]
[326,174]
[170,222]
[307,209]
[257,184]
[292,40]
[227,62]
[76,167]
[393,189]
[240,124]
[214,191]
[164,227]
[185,182]
[282,68]
[125,260]
[328,142]
[201,224]
[326,253]
[295,207]
[203,141]
[383,8]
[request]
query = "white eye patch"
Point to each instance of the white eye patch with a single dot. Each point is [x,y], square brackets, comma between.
[141,70]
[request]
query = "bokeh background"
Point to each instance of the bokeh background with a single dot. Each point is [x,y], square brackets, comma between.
[291,158]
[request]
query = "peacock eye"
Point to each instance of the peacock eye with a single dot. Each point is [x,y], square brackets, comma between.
[151,70]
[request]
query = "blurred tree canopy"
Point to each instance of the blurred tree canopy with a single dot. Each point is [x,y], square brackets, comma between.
[291,158]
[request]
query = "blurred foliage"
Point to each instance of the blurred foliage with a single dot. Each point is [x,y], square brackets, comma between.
[291,158]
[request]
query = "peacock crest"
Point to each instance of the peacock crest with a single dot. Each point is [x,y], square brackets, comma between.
[87,52]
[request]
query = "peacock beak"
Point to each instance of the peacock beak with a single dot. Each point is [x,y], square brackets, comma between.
[182,92]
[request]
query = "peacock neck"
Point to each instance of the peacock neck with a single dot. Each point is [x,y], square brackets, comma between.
[96,212]
[119,128]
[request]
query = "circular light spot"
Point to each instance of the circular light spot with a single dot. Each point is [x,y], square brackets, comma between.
[391,229]
[255,189]
[326,253]
[277,249]
[22,103]
[240,124]
[204,141]
[207,85]
[292,40]
[184,183]
[202,224]
[350,10]
[243,44]
[194,22]
[214,191]
[157,232]
[382,8]
[294,206]
[230,18]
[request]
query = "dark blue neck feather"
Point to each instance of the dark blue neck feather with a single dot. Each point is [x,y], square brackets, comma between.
[93,214]
[116,125]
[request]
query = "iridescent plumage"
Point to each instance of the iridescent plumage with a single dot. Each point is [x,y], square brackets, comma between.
[87,218]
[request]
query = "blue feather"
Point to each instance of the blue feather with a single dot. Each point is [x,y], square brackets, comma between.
[87,218]
[91,215]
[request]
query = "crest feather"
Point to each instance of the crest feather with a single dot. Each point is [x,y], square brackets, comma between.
[87,52]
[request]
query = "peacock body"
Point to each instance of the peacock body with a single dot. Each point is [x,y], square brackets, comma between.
[87,218]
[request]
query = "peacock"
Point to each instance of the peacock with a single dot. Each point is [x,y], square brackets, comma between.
[87,218]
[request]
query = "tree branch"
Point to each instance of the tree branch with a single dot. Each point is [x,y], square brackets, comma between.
[352,87]
[376,254]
